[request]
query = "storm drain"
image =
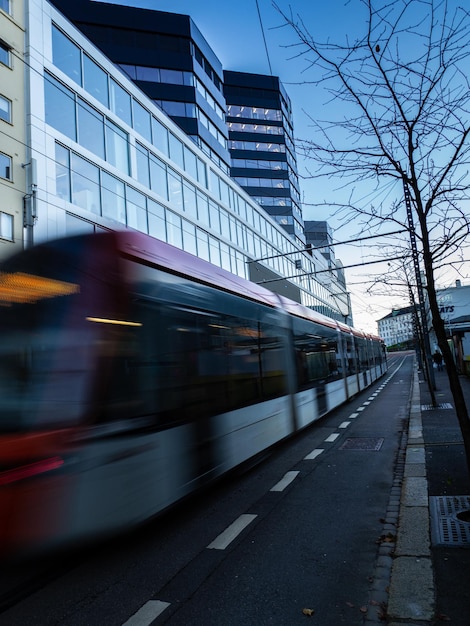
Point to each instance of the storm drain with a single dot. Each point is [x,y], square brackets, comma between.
[449,525]
[363,443]
[430,407]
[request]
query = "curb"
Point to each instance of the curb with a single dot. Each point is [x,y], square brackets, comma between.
[412,591]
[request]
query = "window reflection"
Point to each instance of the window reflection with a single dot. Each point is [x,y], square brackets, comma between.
[66,55]
[85,184]
[95,80]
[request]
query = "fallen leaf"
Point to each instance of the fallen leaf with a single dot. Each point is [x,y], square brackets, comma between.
[308,612]
[350,604]
[363,609]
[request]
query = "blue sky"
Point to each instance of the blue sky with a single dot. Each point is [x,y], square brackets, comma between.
[234,32]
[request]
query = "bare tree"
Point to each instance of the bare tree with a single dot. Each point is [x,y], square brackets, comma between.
[404,123]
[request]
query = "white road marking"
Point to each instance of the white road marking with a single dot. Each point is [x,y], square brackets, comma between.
[332,437]
[284,482]
[147,613]
[360,408]
[366,403]
[231,532]
[353,415]
[344,424]
[313,454]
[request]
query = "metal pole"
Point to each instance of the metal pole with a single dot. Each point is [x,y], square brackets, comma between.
[419,284]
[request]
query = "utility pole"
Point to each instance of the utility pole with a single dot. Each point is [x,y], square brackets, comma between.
[428,366]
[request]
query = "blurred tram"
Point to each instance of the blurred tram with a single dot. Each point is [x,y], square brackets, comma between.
[132,373]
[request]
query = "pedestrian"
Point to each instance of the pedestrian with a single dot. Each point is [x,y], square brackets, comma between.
[437,358]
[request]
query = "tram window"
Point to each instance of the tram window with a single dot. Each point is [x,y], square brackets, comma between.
[316,352]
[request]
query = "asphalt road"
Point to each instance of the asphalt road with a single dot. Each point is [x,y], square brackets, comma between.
[297,533]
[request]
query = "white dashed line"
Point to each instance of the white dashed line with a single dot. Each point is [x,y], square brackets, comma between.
[353,415]
[231,532]
[284,482]
[147,613]
[332,437]
[366,403]
[313,454]
[344,424]
[360,408]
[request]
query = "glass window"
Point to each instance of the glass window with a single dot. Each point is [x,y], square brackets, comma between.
[173,227]
[175,189]
[5,6]
[158,177]
[160,136]
[189,237]
[142,120]
[201,172]
[150,74]
[156,219]
[62,172]
[90,128]
[142,160]
[136,210]
[5,54]
[95,80]
[214,216]
[6,226]
[60,107]
[214,251]
[176,151]
[66,55]
[190,162]
[85,184]
[189,194]
[112,198]
[225,256]
[203,208]
[117,148]
[76,226]
[5,109]
[120,102]
[5,167]
[202,244]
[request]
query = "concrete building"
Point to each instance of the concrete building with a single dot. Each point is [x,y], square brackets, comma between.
[397,327]
[16,171]
[109,158]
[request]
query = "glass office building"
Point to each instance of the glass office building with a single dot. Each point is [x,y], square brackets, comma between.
[109,158]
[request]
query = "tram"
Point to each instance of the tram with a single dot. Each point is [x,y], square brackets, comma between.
[132,373]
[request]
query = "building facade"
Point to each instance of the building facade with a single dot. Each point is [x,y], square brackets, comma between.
[168,59]
[397,327]
[261,144]
[109,158]
[15,171]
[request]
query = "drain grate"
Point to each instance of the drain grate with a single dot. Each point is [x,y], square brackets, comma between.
[362,443]
[446,528]
[430,407]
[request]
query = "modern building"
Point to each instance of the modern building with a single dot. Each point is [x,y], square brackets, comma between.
[15,170]
[397,327]
[108,157]
[168,59]
[261,144]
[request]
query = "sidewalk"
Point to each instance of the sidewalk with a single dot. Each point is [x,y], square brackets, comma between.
[430,582]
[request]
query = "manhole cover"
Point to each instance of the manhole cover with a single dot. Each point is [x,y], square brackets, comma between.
[448,520]
[430,407]
[362,443]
